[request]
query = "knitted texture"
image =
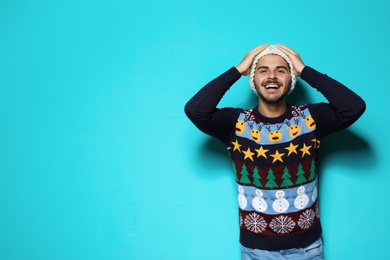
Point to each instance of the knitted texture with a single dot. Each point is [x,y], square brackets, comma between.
[275,164]
[272,49]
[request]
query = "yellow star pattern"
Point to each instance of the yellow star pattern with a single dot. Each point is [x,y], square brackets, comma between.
[316,143]
[261,152]
[277,156]
[305,150]
[236,146]
[292,149]
[248,154]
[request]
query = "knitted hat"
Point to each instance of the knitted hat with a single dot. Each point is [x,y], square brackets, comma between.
[272,49]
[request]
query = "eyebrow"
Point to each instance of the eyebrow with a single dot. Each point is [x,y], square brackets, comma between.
[278,67]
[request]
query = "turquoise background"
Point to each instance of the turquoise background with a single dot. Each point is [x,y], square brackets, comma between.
[98,160]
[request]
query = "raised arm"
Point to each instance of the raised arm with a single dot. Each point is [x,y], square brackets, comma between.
[344,108]
[202,109]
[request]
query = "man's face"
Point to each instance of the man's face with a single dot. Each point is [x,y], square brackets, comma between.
[272,79]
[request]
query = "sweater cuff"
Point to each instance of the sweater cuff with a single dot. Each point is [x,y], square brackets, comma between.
[309,74]
[234,71]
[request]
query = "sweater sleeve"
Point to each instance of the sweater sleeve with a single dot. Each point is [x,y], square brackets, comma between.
[202,109]
[344,107]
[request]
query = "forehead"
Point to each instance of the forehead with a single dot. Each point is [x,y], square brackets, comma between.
[272,60]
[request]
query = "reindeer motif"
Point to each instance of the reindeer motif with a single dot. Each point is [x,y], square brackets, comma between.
[293,129]
[240,126]
[256,131]
[276,135]
[310,123]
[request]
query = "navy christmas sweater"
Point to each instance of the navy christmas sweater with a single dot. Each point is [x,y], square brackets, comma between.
[275,160]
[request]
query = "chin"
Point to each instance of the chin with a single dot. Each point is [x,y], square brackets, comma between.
[273,101]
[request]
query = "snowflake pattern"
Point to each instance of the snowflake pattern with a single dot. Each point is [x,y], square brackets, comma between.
[241,221]
[282,224]
[255,223]
[306,219]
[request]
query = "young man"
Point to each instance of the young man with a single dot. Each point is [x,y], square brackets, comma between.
[274,149]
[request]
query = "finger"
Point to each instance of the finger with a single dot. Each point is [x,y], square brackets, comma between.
[259,48]
[286,49]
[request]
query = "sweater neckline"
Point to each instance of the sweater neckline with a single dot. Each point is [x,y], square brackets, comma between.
[272,120]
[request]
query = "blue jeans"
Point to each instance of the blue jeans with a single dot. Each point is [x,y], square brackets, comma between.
[312,252]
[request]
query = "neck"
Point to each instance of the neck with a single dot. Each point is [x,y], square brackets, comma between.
[272,110]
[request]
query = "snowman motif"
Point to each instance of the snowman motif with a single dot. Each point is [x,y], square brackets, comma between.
[302,199]
[315,194]
[242,201]
[280,204]
[258,203]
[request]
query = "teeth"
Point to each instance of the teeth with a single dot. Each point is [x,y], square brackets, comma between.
[272,86]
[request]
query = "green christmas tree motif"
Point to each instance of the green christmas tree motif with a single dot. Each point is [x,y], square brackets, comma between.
[235,171]
[286,178]
[271,180]
[256,178]
[301,178]
[244,178]
[313,170]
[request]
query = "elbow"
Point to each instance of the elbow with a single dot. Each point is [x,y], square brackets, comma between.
[191,111]
[361,108]
[197,114]
[356,113]
[188,110]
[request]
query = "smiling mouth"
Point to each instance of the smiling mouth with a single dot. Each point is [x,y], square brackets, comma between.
[271,86]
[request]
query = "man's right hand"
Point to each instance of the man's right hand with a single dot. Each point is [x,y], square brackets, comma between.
[245,65]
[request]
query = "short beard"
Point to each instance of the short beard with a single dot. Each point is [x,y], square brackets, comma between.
[272,101]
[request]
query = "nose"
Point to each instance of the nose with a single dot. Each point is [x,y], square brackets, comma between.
[271,74]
